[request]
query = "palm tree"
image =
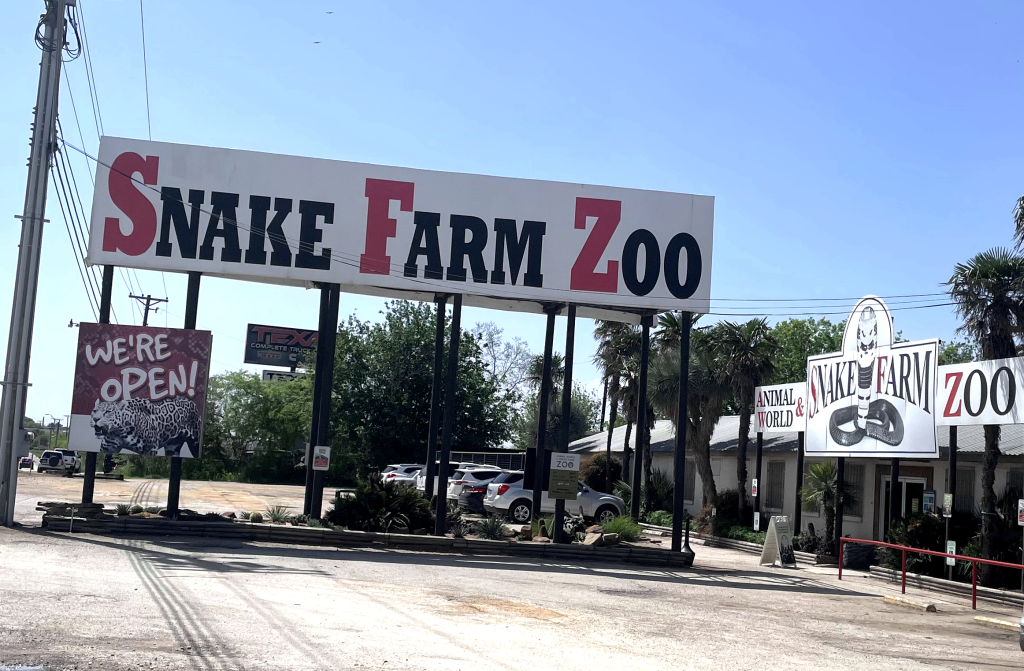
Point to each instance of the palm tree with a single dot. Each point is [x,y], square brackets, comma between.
[618,346]
[988,291]
[534,377]
[705,401]
[819,490]
[748,351]
[1018,220]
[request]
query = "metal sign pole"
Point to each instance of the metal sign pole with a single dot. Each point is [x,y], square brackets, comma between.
[314,424]
[191,311]
[540,453]
[641,419]
[895,493]
[441,301]
[679,490]
[951,488]
[325,381]
[799,481]
[440,522]
[840,486]
[106,291]
[757,481]
[566,418]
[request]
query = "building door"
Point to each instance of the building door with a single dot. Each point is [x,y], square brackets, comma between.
[911,496]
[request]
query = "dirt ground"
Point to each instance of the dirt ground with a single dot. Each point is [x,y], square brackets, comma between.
[81,601]
[201,496]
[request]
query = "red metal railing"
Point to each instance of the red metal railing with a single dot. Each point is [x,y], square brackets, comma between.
[974,563]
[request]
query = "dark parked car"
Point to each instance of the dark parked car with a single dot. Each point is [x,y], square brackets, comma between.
[25,462]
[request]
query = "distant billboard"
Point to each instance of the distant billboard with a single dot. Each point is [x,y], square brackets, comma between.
[281,376]
[140,390]
[278,346]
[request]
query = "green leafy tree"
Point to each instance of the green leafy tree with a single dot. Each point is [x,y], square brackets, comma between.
[800,338]
[957,351]
[747,352]
[988,291]
[382,386]
[584,413]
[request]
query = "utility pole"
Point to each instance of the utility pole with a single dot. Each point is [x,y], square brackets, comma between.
[148,301]
[19,343]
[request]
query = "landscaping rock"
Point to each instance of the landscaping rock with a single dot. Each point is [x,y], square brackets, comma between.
[526,533]
[542,539]
[595,529]
[593,539]
[230,515]
[610,539]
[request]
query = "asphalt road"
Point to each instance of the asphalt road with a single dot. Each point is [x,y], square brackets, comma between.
[97,602]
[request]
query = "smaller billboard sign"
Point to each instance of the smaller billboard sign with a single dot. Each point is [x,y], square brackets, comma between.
[947,505]
[140,390]
[563,482]
[281,376]
[780,408]
[278,346]
[983,392]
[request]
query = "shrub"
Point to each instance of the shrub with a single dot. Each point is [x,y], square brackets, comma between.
[256,518]
[920,530]
[123,509]
[313,523]
[299,520]
[659,495]
[593,472]
[813,543]
[381,506]
[622,490]
[492,528]
[136,509]
[278,514]
[660,518]
[153,510]
[625,527]
[702,522]
[244,514]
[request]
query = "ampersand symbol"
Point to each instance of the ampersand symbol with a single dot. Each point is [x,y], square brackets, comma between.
[799,407]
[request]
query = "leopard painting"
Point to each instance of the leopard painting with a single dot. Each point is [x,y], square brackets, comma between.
[140,426]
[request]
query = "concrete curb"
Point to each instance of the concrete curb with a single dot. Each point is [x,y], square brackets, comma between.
[1006,597]
[272,533]
[995,623]
[907,603]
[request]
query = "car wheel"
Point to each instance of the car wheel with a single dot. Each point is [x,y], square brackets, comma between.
[520,511]
[605,514]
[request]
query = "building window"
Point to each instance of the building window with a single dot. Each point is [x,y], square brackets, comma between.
[964,490]
[853,485]
[775,492]
[1015,480]
[690,481]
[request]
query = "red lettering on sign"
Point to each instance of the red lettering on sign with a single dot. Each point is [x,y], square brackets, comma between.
[880,373]
[948,411]
[133,203]
[584,275]
[379,225]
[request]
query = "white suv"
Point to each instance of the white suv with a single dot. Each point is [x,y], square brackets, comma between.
[469,476]
[66,461]
[421,477]
[511,500]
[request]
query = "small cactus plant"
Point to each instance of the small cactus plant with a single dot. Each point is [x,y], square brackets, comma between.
[256,518]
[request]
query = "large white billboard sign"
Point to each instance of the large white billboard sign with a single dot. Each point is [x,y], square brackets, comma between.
[984,392]
[381,230]
[876,398]
[780,408]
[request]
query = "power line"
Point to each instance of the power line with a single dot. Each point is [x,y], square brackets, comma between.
[351,260]
[145,68]
[91,77]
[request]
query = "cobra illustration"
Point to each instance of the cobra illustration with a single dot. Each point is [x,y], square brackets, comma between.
[876,418]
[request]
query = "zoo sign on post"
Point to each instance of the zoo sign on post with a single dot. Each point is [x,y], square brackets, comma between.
[983,392]
[140,390]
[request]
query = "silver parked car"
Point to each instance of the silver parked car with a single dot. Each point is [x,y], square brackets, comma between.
[512,500]
[402,474]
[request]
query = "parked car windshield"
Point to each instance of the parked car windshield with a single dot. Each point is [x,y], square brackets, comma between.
[508,478]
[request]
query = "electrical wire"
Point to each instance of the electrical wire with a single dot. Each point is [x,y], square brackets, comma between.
[351,260]
[89,290]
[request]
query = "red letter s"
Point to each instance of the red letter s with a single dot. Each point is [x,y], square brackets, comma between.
[379,226]
[133,203]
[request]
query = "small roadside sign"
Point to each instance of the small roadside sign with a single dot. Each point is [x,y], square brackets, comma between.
[778,543]
[950,550]
[753,487]
[321,458]
[565,476]
[1020,512]
[757,521]
[929,501]
[947,505]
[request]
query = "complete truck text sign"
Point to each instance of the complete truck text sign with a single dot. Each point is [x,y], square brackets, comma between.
[398,231]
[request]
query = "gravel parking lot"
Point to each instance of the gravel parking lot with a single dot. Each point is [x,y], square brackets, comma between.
[78,602]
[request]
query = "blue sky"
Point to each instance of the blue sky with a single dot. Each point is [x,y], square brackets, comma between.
[852,149]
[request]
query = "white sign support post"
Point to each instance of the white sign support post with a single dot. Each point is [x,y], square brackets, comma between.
[1020,523]
[756,489]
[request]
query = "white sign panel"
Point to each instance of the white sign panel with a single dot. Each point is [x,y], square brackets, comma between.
[780,408]
[381,230]
[321,458]
[778,543]
[984,392]
[876,398]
